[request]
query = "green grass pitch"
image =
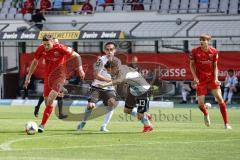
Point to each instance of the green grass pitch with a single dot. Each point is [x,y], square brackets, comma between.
[179,134]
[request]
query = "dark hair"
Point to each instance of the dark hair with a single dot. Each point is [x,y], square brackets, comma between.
[231,70]
[47,37]
[110,42]
[111,64]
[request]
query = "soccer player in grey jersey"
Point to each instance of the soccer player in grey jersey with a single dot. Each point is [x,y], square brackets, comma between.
[106,94]
[137,93]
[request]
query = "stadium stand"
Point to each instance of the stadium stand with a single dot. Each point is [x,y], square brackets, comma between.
[162,6]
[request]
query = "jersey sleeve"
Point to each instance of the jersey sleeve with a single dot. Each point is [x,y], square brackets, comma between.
[119,78]
[98,66]
[39,52]
[215,57]
[192,55]
[65,49]
[118,61]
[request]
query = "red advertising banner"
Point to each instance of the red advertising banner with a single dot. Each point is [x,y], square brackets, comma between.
[171,66]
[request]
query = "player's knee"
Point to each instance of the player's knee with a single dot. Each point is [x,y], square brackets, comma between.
[90,106]
[139,116]
[49,101]
[127,110]
[112,102]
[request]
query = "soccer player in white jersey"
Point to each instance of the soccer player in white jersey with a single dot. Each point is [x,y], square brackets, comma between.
[138,93]
[230,86]
[106,94]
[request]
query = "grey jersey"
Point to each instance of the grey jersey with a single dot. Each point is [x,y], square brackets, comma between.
[99,68]
[138,85]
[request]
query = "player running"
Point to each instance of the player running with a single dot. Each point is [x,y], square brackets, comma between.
[106,94]
[204,68]
[138,93]
[55,56]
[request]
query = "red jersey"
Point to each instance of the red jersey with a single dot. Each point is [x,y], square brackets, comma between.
[204,62]
[54,57]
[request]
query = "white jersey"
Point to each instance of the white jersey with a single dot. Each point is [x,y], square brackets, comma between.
[231,81]
[99,68]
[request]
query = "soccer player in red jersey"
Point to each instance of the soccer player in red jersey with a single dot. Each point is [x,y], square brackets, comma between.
[57,58]
[203,65]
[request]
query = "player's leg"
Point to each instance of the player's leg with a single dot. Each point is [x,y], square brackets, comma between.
[201,92]
[230,94]
[92,100]
[49,107]
[184,96]
[109,99]
[130,104]
[203,108]
[222,105]
[225,94]
[87,113]
[37,107]
[60,107]
[143,116]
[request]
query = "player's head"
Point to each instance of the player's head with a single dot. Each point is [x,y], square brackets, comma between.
[134,60]
[48,41]
[204,39]
[110,48]
[112,67]
[230,72]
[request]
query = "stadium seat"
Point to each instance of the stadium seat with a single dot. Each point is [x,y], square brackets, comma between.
[4,10]
[27,16]
[117,7]
[193,6]
[164,7]
[10,16]
[127,8]
[183,7]
[203,6]
[19,16]
[2,16]
[108,9]
[13,10]
[213,6]
[233,7]
[155,5]
[99,9]
[146,7]
[174,6]
[223,6]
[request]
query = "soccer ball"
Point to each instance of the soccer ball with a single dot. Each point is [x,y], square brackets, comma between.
[208,105]
[31,128]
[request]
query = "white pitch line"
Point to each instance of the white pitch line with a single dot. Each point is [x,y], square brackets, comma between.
[7,145]
[129,144]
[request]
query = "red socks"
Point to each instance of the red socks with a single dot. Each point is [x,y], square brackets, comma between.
[203,109]
[223,110]
[46,114]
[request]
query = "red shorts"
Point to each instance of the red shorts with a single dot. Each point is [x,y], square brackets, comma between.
[204,86]
[53,85]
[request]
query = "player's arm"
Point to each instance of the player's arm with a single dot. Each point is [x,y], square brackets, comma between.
[69,51]
[37,56]
[193,71]
[114,82]
[32,68]
[215,71]
[80,69]
[98,66]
